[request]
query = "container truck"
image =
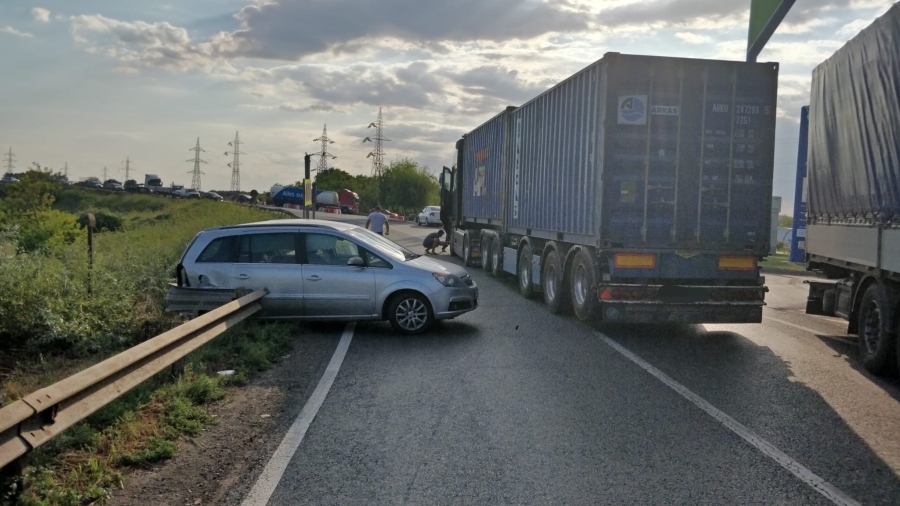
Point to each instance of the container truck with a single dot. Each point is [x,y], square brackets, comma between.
[637,190]
[853,178]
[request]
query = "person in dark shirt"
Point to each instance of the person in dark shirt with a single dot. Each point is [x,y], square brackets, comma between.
[432,241]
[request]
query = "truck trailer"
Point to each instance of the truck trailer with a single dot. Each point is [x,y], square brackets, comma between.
[853,178]
[637,190]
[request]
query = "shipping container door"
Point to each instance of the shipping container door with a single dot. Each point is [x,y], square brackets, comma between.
[482,190]
[683,168]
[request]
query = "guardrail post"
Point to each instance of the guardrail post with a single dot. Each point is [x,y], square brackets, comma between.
[92,224]
[12,482]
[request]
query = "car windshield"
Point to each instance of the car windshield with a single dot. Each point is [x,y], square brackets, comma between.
[381,244]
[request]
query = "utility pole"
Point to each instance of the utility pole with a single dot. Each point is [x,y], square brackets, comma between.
[104,174]
[195,182]
[236,163]
[10,161]
[377,155]
[127,168]
[324,155]
[66,170]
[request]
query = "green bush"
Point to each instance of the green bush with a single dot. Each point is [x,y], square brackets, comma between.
[105,222]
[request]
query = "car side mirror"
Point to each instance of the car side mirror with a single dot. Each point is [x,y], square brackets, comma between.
[356,262]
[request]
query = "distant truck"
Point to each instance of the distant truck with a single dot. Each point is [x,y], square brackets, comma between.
[637,190]
[853,178]
[154,184]
[345,200]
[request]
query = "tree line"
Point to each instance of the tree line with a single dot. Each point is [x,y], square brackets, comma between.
[405,187]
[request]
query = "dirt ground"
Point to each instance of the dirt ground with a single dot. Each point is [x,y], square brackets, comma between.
[221,464]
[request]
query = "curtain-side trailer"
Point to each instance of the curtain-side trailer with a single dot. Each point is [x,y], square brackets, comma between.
[853,176]
[637,190]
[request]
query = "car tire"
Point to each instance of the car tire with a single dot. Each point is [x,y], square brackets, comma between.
[486,253]
[553,283]
[582,282]
[410,313]
[523,268]
[497,258]
[876,345]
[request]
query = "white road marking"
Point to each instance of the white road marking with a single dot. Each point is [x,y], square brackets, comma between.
[818,484]
[271,475]
[813,331]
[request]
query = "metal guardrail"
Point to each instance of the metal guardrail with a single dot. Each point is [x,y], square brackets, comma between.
[36,418]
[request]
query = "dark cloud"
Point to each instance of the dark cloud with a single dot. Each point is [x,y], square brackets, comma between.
[290,29]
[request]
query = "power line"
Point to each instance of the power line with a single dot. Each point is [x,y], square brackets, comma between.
[195,182]
[10,161]
[324,155]
[236,163]
[377,154]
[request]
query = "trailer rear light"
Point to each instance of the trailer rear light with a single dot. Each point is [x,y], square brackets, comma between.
[736,263]
[605,295]
[635,261]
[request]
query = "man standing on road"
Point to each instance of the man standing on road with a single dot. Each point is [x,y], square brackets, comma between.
[379,222]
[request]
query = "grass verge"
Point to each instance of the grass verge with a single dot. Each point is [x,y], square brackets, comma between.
[85,464]
[781,262]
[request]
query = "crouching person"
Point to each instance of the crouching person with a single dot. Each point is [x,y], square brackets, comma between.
[432,241]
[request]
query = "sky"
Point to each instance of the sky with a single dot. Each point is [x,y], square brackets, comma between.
[92,82]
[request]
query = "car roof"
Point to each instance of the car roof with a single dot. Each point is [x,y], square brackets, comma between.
[334,225]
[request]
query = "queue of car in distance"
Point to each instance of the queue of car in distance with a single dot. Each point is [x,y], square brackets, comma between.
[327,270]
[431,215]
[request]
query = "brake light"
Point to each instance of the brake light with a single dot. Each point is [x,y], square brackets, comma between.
[737,263]
[635,261]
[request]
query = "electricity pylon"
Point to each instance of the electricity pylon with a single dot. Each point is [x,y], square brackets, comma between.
[236,163]
[195,182]
[10,161]
[377,155]
[127,168]
[324,155]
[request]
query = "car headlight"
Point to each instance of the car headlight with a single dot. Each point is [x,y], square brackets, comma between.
[445,279]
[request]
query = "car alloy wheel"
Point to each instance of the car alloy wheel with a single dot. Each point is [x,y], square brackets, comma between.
[410,314]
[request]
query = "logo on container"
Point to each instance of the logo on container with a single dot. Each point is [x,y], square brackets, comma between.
[633,110]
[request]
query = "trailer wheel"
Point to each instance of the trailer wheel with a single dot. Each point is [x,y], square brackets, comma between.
[876,346]
[486,253]
[581,284]
[556,293]
[497,258]
[526,283]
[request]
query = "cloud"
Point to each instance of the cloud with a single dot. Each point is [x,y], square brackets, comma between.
[375,84]
[852,28]
[497,82]
[140,43]
[40,14]
[291,29]
[12,31]
[693,38]
[309,108]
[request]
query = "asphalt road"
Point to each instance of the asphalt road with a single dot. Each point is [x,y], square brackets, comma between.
[512,405]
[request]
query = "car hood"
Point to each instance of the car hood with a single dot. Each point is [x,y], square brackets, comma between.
[434,265]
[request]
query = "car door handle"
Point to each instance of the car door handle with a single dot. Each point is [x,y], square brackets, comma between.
[243,276]
[314,278]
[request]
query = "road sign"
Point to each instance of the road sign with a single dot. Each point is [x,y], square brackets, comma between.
[307,192]
[765,16]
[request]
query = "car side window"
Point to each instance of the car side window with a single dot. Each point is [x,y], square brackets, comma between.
[373,260]
[221,250]
[278,248]
[322,249]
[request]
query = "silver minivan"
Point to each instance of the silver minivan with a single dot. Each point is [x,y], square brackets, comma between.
[328,270]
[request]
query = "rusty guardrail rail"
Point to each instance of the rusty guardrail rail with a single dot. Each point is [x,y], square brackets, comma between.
[36,418]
